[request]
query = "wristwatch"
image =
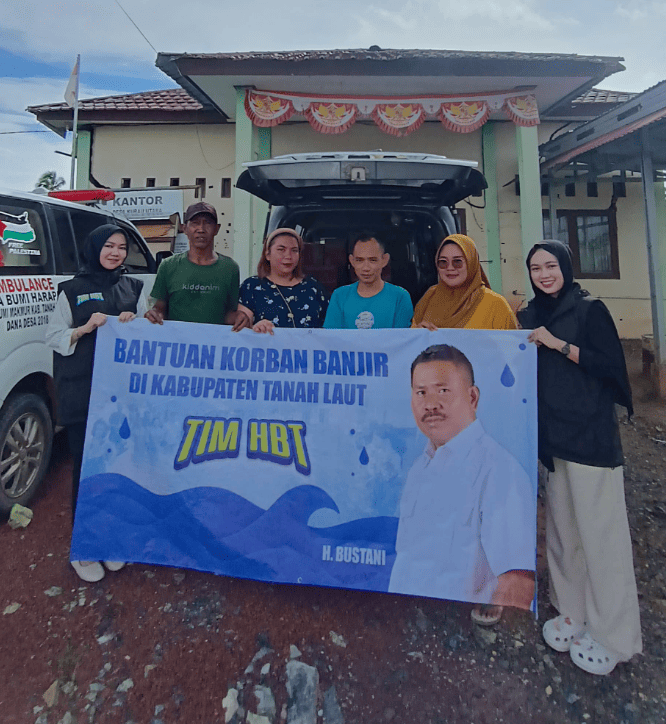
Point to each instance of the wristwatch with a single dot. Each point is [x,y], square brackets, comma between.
[566,349]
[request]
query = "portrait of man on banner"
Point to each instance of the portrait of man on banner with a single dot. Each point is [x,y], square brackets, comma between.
[466,527]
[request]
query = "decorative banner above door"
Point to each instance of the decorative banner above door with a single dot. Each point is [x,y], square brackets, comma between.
[398,116]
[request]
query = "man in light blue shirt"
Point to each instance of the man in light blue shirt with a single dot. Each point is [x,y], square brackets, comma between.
[467,527]
[369,303]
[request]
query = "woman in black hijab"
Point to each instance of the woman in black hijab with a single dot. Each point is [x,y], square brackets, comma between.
[582,374]
[99,289]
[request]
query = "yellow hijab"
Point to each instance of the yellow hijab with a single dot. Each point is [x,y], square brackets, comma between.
[446,307]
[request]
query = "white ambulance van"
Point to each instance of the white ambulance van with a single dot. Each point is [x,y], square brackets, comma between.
[40,241]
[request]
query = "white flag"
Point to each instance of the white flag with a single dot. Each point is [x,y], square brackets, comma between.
[72,90]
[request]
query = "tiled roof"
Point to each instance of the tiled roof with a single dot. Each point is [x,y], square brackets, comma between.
[377,53]
[173,99]
[596,95]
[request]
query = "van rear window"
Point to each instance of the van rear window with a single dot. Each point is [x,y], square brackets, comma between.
[24,247]
[410,238]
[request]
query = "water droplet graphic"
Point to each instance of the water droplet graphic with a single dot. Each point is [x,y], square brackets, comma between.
[507,378]
[363,457]
[352,432]
[109,450]
[522,346]
[114,398]
[524,401]
[124,431]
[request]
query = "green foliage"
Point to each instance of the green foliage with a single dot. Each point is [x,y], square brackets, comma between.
[50,181]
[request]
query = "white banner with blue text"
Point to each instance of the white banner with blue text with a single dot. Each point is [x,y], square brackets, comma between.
[384,460]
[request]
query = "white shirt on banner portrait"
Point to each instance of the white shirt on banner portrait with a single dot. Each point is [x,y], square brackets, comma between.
[466,516]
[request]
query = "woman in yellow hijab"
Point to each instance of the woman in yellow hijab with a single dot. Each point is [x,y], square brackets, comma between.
[463,298]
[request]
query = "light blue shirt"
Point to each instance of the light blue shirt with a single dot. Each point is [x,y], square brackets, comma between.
[391,308]
[467,515]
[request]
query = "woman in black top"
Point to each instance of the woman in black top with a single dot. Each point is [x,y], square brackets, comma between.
[99,289]
[581,376]
[281,295]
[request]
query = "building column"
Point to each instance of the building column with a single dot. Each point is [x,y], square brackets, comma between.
[259,207]
[660,199]
[489,151]
[252,144]
[655,253]
[531,220]
[242,200]
[83,154]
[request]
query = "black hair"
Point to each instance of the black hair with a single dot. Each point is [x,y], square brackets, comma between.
[363,236]
[444,353]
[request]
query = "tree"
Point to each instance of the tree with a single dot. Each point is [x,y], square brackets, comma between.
[50,181]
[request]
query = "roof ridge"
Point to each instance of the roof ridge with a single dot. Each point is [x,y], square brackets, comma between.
[395,52]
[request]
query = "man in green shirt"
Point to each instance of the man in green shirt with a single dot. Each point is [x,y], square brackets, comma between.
[199,285]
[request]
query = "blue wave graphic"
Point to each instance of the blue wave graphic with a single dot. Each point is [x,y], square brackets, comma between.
[213,529]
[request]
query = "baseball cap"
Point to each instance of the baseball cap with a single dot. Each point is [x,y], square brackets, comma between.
[201,207]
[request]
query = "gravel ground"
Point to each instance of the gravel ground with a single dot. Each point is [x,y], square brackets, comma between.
[154,645]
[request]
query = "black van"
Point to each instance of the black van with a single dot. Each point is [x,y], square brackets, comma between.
[406,199]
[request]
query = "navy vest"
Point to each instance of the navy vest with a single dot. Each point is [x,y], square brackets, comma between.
[86,295]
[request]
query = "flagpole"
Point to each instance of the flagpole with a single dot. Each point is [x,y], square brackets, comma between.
[76,123]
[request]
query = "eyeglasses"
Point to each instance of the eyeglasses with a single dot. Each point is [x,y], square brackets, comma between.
[455,263]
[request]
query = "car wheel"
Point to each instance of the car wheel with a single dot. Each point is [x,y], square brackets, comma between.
[26,436]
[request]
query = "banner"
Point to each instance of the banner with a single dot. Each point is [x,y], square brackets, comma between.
[385,460]
[395,115]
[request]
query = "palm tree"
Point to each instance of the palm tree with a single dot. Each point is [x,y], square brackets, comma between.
[50,181]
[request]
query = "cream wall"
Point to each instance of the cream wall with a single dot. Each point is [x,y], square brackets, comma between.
[165,151]
[628,297]
[208,151]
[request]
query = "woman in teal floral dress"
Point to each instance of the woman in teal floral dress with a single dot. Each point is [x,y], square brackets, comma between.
[281,295]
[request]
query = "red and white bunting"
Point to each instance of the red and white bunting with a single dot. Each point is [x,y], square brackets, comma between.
[399,119]
[266,111]
[465,116]
[397,116]
[523,110]
[331,117]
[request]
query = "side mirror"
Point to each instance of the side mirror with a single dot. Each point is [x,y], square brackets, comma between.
[161,256]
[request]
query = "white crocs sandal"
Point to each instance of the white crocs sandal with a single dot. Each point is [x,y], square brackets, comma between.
[114,565]
[592,657]
[89,571]
[560,632]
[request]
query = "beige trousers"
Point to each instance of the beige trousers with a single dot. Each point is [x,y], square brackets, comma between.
[589,554]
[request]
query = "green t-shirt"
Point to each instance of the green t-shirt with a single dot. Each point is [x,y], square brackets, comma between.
[197,293]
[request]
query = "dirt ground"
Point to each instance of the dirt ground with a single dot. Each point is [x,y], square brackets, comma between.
[159,645]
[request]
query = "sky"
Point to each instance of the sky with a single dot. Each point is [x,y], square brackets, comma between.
[39,41]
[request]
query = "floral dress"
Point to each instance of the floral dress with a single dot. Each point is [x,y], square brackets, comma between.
[306,301]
